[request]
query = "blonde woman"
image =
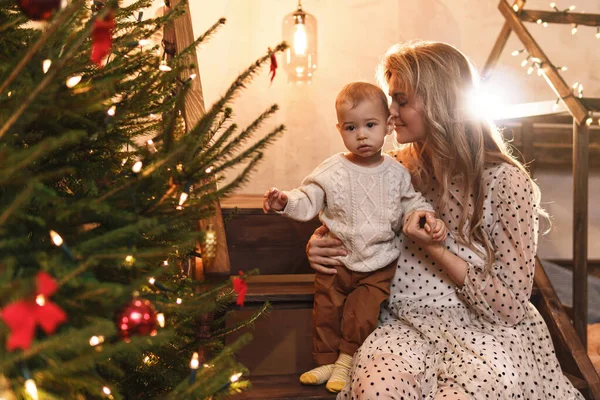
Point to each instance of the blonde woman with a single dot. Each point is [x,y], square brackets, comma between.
[458,324]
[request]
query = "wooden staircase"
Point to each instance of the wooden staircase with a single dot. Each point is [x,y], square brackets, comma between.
[282,345]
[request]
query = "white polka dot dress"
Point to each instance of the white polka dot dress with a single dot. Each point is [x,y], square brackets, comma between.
[482,341]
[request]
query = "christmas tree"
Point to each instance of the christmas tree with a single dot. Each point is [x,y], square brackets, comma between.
[101,188]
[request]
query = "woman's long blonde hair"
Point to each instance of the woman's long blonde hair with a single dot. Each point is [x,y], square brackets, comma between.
[459,145]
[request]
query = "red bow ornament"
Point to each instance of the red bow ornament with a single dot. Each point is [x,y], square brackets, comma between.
[23,316]
[273,68]
[240,287]
[102,38]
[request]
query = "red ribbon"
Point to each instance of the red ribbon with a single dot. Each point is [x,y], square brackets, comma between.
[240,287]
[102,38]
[23,316]
[273,68]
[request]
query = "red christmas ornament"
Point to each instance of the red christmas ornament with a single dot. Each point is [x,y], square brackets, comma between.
[23,316]
[39,9]
[102,38]
[240,287]
[137,318]
[273,68]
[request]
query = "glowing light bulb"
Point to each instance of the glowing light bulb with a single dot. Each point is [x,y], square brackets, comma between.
[300,40]
[516,53]
[111,111]
[46,65]
[235,377]
[144,42]
[589,121]
[164,67]
[137,167]
[545,24]
[184,196]
[96,340]
[193,76]
[160,318]
[195,361]
[178,301]
[530,70]
[56,238]
[129,260]
[515,7]
[539,21]
[571,8]
[40,300]
[31,389]
[151,281]
[166,263]
[208,170]
[524,62]
[106,390]
[574,29]
[73,80]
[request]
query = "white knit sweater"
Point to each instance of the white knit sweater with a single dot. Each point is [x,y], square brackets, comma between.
[362,206]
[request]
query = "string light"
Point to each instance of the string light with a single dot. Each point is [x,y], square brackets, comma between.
[151,280]
[151,146]
[553,5]
[96,340]
[166,263]
[178,301]
[589,121]
[56,238]
[208,170]
[235,377]
[143,42]
[112,110]
[164,67]
[194,365]
[555,106]
[73,80]
[137,167]
[545,24]
[598,33]
[517,52]
[525,62]
[516,7]
[562,68]
[31,389]
[160,318]
[530,70]
[574,29]
[46,65]
[129,260]
[106,390]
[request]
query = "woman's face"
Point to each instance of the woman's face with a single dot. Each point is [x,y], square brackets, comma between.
[407,111]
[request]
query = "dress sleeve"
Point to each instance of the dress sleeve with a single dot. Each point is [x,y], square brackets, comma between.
[500,293]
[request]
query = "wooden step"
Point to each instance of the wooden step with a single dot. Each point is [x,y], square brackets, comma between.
[284,387]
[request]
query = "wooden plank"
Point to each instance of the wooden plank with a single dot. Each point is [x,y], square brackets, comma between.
[570,351]
[556,82]
[194,110]
[580,228]
[280,288]
[499,46]
[553,17]
[284,387]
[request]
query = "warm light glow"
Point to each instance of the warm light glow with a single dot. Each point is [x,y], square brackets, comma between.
[96,340]
[160,318]
[571,8]
[208,170]
[166,263]
[300,40]
[553,5]
[539,21]
[178,301]
[40,300]
[525,62]
[129,260]
[151,281]
[164,67]
[516,52]
[56,239]
[137,167]
[184,196]
[193,76]
[46,65]
[574,30]
[111,111]
[598,33]
[31,389]
[106,391]
[73,80]
[530,70]
[575,85]
[194,362]
[516,7]
[235,377]
[489,101]
[545,24]
[589,121]
[144,42]
[563,68]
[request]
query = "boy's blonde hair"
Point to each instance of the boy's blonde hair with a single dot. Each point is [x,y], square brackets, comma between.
[356,92]
[458,144]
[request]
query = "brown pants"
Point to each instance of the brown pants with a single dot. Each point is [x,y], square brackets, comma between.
[346,310]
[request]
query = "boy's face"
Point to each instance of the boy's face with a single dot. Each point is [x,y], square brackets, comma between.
[364,128]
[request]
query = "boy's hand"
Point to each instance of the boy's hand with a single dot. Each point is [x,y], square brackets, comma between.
[436,227]
[274,200]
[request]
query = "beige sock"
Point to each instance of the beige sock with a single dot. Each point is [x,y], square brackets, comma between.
[341,373]
[317,376]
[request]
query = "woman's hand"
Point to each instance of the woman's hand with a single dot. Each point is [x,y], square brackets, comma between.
[430,234]
[321,249]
